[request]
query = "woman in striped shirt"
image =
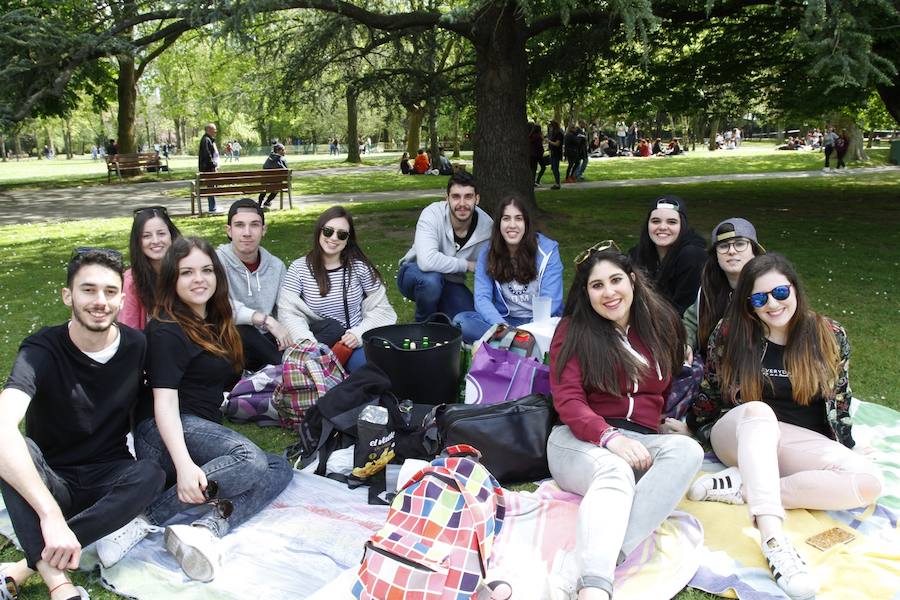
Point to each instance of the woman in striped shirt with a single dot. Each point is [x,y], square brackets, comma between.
[335,280]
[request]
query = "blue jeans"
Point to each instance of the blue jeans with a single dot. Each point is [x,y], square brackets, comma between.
[246,475]
[582,167]
[432,293]
[474,326]
[211,203]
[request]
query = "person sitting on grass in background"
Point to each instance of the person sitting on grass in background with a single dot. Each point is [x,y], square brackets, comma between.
[775,407]
[70,480]
[275,160]
[404,164]
[671,252]
[612,359]
[336,282]
[195,354]
[516,267]
[152,233]
[449,237]
[443,166]
[422,164]
[254,281]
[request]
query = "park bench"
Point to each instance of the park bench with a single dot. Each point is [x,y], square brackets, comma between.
[241,183]
[119,163]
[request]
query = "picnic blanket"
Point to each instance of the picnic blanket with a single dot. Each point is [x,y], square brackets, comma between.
[868,568]
[534,553]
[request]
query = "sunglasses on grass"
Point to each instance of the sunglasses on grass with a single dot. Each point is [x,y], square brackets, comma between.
[760,299]
[341,234]
[598,247]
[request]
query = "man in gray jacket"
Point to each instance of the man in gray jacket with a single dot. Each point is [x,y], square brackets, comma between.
[254,280]
[449,236]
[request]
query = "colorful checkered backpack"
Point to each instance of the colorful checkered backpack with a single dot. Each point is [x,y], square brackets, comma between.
[439,533]
[309,370]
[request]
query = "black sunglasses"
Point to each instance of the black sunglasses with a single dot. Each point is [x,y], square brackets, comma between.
[223,506]
[330,231]
[160,209]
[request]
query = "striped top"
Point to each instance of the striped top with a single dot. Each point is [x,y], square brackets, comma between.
[299,280]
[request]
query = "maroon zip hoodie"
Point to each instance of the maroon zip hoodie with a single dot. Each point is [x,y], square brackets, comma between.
[584,411]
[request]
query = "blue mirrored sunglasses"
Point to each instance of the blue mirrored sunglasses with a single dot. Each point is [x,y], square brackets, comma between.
[759,299]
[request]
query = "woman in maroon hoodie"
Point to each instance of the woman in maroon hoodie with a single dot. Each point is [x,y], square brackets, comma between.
[611,362]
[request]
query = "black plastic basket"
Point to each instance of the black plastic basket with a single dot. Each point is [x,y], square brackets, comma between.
[424,375]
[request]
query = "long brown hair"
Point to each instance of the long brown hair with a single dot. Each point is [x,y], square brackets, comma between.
[715,291]
[141,270]
[315,260]
[595,341]
[503,266]
[216,334]
[811,356]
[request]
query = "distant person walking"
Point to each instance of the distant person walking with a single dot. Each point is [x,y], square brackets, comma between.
[236,150]
[841,145]
[208,159]
[828,141]
[274,161]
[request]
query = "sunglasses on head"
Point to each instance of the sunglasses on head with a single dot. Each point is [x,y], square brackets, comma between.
[223,507]
[330,231]
[739,245]
[760,299]
[160,209]
[598,247]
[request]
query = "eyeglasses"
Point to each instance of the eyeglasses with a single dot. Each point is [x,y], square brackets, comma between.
[160,209]
[341,234]
[211,495]
[598,247]
[108,252]
[738,245]
[759,299]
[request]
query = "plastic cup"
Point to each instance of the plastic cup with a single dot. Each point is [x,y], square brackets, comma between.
[542,305]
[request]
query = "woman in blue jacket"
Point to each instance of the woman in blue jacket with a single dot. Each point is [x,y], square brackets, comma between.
[518,266]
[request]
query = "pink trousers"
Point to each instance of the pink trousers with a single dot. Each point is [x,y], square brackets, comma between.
[786,466]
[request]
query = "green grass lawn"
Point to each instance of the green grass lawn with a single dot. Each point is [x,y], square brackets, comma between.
[840,232]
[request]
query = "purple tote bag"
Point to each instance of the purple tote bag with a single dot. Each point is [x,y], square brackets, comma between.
[498,375]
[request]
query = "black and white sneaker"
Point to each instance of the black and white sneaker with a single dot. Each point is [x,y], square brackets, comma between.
[724,486]
[790,572]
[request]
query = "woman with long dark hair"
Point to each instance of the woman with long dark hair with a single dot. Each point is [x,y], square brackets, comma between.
[152,232]
[195,354]
[517,266]
[775,407]
[335,281]
[733,245]
[671,252]
[611,360]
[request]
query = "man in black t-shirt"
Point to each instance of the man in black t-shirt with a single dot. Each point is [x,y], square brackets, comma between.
[70,480]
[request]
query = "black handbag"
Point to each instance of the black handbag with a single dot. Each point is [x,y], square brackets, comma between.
[512,436]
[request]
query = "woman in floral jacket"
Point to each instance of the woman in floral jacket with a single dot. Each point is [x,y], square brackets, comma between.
[775,408]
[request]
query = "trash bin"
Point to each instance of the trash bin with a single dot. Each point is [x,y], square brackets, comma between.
[894,156]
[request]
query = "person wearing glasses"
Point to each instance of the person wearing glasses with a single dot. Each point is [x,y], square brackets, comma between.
[70,480]
[449,236]
[671,252]
[775,408]
[517,266]
[254,281]
[152,233]
[194,355]
[335,294]
[612,359]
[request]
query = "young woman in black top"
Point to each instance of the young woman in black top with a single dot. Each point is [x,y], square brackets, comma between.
[194,353]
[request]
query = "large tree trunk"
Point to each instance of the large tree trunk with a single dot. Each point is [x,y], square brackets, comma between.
[3,147]
[713,130]
[127,96]
[414,116]
[352,126]
[501,149]
[432,131]
[891,98]
[456,133]
[70,153]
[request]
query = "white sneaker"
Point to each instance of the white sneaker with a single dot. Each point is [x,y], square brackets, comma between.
[196,549]
[82,593]
[111,548]
[724,486]
[790,572]
[8,588]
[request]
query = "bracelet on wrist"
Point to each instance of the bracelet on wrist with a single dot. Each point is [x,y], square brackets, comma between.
[608,435]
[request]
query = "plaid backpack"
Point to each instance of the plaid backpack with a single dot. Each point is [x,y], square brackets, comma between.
[309,370]
[439,533]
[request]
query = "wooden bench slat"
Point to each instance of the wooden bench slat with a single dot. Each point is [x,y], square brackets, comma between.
[240,183]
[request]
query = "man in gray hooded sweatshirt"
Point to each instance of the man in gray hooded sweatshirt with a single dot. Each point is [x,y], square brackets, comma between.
[254,280]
